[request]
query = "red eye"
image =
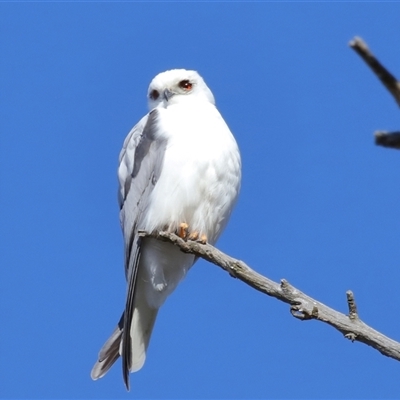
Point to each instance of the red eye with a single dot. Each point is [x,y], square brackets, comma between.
[154,95]
[185,84]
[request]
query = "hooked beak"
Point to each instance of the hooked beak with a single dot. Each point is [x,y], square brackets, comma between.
[168,94]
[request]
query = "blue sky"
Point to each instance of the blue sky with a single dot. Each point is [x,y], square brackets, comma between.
[318,206]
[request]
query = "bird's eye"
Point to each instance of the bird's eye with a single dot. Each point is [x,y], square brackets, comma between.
[185,84]
[154,94]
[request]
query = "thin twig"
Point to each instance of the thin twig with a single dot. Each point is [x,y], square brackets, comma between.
[352,305]
[390,82]
[388,139]
[302,306]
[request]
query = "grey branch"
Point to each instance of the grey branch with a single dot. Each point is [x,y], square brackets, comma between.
[353,314]
[386,139]
[302,306]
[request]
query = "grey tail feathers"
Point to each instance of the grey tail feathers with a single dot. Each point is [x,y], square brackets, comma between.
[140,332]
[109,353]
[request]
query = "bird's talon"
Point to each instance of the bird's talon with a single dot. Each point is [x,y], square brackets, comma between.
[183,230]
[193,236]
[202,239]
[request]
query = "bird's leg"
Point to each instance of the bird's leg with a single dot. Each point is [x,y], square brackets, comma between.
[183,230]
[183,233]
[202,239]
[193,236]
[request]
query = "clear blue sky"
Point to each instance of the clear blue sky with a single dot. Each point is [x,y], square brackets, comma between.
[319,204]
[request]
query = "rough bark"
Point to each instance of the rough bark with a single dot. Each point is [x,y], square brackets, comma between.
[302,306]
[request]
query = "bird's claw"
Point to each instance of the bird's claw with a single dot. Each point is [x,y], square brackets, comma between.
[183,230]
[195,236]
[202,239]
[183,233]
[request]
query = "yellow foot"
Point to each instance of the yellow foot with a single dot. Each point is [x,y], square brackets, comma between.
[202,239]
[183,230]
[197,237]
[193,236]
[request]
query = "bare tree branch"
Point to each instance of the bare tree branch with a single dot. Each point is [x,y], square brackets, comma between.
[391,83]
[386,139]
[302,306]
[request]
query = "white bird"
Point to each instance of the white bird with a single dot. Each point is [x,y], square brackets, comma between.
[179,171]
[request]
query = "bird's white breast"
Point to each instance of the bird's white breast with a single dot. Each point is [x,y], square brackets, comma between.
[200,177]
[198,185]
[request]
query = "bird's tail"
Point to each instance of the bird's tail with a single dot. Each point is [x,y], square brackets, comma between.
[141,329]
[142,325]
[109,353]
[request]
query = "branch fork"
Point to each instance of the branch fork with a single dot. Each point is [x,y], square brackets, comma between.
[382,138]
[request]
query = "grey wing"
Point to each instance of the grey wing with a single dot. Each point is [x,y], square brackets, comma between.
[144,170]
[127,159]
[140,165]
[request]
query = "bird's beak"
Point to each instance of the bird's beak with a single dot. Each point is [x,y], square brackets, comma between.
[168,94]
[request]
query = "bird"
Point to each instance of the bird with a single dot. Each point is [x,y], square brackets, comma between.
[180,172]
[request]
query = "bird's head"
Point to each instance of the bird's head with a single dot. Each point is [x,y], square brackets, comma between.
[177,86]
